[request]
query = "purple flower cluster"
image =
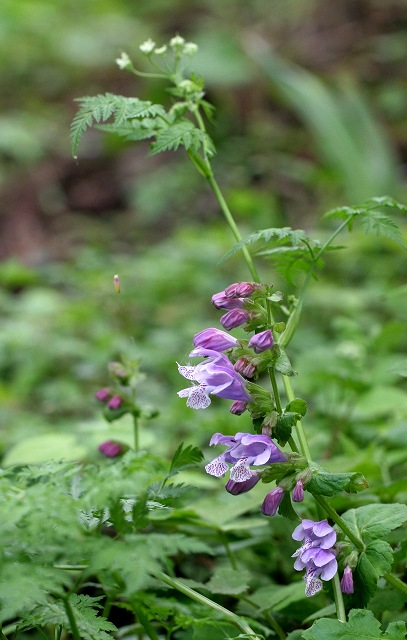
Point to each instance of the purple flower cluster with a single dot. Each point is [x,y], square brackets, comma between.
[316,555]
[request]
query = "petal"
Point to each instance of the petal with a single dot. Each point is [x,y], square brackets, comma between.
[313,586]
[187,371]
[329,570]
[327,541]
[185,393]
[298,533]
[198,399]
[240,471]
[219,438]
[323,557]
[321,529]
[299,565]
[217,467]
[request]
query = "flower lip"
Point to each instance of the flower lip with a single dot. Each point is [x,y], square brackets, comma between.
[214,339]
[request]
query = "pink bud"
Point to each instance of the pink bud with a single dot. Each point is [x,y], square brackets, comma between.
[238,407]
[272,501]
[261,341]
[115,402]
[298,492]
[110,449]
[103,395]
[347,580]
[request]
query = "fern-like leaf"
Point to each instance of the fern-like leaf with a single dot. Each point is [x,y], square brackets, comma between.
[96,109]
[284,235]
[182,133]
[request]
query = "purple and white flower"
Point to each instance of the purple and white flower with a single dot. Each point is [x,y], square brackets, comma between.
[243,451]
[316,555]
[216,376]
[214,339]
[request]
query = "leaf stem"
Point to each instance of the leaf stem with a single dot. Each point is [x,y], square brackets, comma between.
[396,582]
[145,623]
[302,440]
[276,393]
[268,616]
[194,595]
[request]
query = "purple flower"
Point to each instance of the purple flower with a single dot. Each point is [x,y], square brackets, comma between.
[214,339]
[238,407]
[316,555]
[298,492]
[110,449]
[236,488]
[234,318]
[103,395]
[261,341]
[221,301]
[347,580]
[239,290]
[115,402]
[272,501]
[243,450]
[215,376]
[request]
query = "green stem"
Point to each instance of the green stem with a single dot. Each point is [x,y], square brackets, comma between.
[275,390]
[341,524]
[340,607]
[228,550]
[232,224]
[2,636]
[194,595]
[136,434]
[74,628]
[268,616]
[145,623]
[396,582]
[302,440]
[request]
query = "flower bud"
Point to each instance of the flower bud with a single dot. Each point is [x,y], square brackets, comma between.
[147,47]
[220,301]
[118,370]
[103,395]
[261,341]
[236,488]
[347,580]
[240,364]
[116,281]
[238,407]
[239,290]
[272,501]
[234,318]
[249,370]
[115,402]
[214,339]
[298,492]
[110,449]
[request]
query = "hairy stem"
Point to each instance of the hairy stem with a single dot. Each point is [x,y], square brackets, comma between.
[194,595]
[396,582]
[341,523]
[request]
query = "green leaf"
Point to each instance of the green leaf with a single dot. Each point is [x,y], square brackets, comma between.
[183,133]
[185,457]
[229,581]
[361,625]
[283,364]
[329,484]
[382,225]
[286,508]
[283,235]
[102,107]
[283,428]
[297,406]
[374,562]
[277,471]
[375,520]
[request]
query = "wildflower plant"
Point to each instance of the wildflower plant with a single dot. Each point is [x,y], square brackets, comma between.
[132,530]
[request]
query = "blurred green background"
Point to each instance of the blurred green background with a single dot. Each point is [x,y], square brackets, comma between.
[311,114]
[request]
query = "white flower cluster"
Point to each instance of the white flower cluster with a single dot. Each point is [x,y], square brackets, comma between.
[177,44]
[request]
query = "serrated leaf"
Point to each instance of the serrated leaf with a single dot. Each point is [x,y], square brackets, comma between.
[361,625]
[329,484]
[96,109]
[229,581]
[375,520]
[382,225]
[185,457]
[277,471]
[283,234]
[283,428]
[283,364]
[183,133]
